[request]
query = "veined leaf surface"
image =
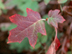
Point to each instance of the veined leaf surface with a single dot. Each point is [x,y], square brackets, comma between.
[26,27]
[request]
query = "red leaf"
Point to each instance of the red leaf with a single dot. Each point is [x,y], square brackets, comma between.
[54,46]
[55,18]
[26,27]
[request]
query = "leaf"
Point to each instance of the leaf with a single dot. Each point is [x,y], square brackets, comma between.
[12,26]
[22,5]
[55,18]
[54,46]
[9,4]
[49,30]
[37,46]
[42,38]
[1,5]
[46,1]
[62,1]
[69,52]
[28,4]
[24,45]
[26,27]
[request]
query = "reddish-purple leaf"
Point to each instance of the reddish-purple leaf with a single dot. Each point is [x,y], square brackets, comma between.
[26,27]
[54,46]
[55,18]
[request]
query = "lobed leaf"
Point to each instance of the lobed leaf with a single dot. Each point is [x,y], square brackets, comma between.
[55,18]
[26,27]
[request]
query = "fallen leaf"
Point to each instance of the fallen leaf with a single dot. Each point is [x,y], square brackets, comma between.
[54,46]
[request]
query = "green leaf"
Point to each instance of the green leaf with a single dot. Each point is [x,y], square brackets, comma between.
[1,5]
[37,46]
[49,30]
[69,52]
[20,46]
[0,11]
[62,1]
[12,26]
[28,4]
[46,1]
[3,28]
[43,39]
[5,11]
[9,4]
[22,5]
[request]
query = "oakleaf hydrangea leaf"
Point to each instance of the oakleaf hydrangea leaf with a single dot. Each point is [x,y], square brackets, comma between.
[55,18]
[26,27]
[54,46]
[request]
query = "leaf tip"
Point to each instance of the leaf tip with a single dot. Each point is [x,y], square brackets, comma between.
[33,45]
[28,9]
[13,16]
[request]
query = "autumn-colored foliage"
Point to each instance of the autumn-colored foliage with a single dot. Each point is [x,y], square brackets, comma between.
[26,27]
[55,18]
[32,24]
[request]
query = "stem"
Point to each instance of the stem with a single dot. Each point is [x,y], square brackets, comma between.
[61,8]
[43,19]
[56,32]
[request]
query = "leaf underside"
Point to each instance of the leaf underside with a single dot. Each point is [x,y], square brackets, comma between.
[26,27]
[54,46]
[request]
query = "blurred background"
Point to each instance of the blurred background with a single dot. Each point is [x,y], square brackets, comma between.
[11,7]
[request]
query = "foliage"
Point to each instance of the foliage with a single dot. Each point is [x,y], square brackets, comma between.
[24,45]
[55,18]
[22,5]
[59,1]
[69,52]
[62,1]
[1,6]
[46,1]
[32,24]
[54,46]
